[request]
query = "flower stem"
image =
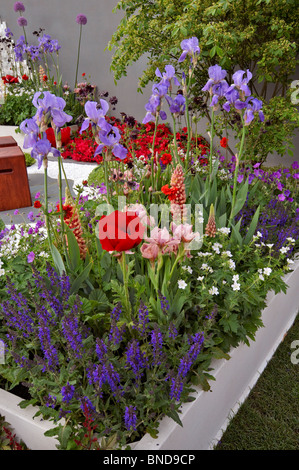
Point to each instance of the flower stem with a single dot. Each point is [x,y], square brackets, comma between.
[125,278]
[211,141]
[79,45]
[236,170]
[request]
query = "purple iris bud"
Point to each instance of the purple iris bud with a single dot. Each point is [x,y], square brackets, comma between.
[295,166]
[81,19]
[190,47]
[163,115]
[31,131]
[22,21]
[241,82]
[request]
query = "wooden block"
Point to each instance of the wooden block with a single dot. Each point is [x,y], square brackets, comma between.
[7,141]
[14,185]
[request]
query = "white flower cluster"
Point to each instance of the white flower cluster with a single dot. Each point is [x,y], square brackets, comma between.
[264,272]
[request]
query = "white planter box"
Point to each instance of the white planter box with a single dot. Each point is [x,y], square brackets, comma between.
[205,419]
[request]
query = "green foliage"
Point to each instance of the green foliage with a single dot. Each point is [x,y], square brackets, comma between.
[17,106]
[258,35]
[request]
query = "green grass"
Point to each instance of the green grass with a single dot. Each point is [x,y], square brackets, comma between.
[269,418]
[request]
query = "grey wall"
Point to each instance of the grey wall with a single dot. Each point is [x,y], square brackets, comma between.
[58,17]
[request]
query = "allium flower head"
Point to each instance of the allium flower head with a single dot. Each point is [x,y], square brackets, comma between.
[22,21]
[18,6]
[81,19]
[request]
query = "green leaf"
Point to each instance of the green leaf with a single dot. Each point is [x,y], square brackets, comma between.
[57,259]
[73,250]
[174,415]
[252,227]
[77,283]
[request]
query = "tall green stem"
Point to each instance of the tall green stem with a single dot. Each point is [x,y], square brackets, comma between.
[211,141]
[126,282]
[78,56]
[46,204]
[175,141]
[236,169]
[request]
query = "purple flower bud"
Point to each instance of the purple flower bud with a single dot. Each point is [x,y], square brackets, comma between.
[18,6]
[22,21]
[81,19]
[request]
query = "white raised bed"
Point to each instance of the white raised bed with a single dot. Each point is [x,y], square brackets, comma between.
[205,419]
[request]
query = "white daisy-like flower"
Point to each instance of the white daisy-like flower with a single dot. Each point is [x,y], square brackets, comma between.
[236,277]
[236,286]
[270,245]
[200,278]
[261,277]
[290,261]
[284,250]
[2,272]
[291,240]
[182,284]
[259,235]
[214,291]
[267,271]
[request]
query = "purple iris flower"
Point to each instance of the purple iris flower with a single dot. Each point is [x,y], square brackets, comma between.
[153,106]
[240,81]
[167,76]
[41,149]
[190,47]
[50,107]
[216,76]
[233,99]
[111,140]
[95,115]
[33,52]
[176,105]
[31,131]
[253,106]
[20,49]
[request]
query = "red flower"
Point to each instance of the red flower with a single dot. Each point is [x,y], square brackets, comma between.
[25,77]
[120,231]
[8,79]
[45,78]
[223,142]
[68,210]
[166,158]
[37,204]
[169,192]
